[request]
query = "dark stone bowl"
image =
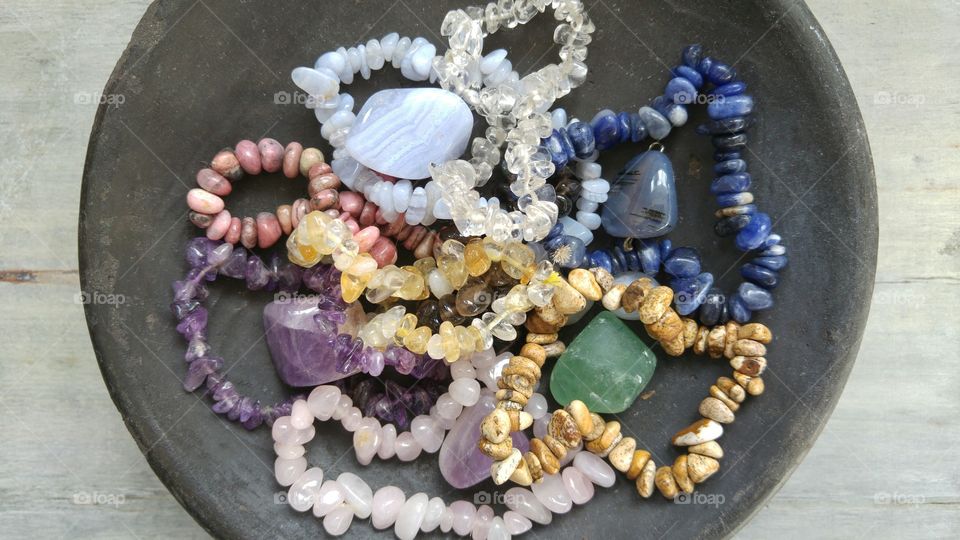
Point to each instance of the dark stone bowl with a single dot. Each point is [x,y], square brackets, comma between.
[200,76]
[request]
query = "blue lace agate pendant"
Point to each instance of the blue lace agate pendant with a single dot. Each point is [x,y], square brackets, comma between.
[643,199]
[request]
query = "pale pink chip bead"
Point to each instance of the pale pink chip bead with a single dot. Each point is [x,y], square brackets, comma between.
[388,443]
[427,433]
[464,513]
[268,229]
[577,485]
[212,181]
[351,203]
[288,451]
[357,494]
[462,368]
[204,202]
[516,523]
[552,493]
[323,400]
[351,420]
[249,156]
[271,154]
[303,493]
[300,415]
[523,501]
[481,525]
[286,471]
[446,520]
[595,468]
[233,232]
[219,226]
[367,439]
[387,502]
[466,391]
[407,448]
[338,521]
[431,518]
[498,530]
[343,406]
[329,497]
[411,517]
[447,407]
[283,432]
[291,160]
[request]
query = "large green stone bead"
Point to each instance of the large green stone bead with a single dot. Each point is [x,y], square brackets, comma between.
[606,367]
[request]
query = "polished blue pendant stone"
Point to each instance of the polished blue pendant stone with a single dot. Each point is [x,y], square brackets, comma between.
[755,232]
[731,183]
[764,277]
[730,167]
[774,263]
[729,226]
[755,298]
[730,89]
[737,310]
[689,293]
[689,74]
[642,202]
[683,262]
[730,107]
[649,258]
[712,307]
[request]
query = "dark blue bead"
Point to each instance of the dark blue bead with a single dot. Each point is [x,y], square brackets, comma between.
[619,257]
[606,131]
[726,155]
[712,307]
[727,126]
[730,142]
[681,91]
[725,314]
[755,298]
[730,89]
[691,55]
[773,263]
[725,200]
[730,167]
[683,262]
[633,260]
[556,231]
[730,183]
[737,310]
[658,127]
[638,131]
[773,251]
[554,147]
[552,244]
[568,253]
[666,246]
[764,277]
[617,267]
[689,74]
[721,74]
[771,240]
[730,107]
[650,258]
[731,225]
[625,128]
[706,63]
[601,258]
[689,293]
[566,143]
[581,135]
[755,232]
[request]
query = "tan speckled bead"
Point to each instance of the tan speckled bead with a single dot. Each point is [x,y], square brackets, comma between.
[598,426]
[555,349]
[537,325]
[700,467]
[621,456]
[731,330]
[518,383]
[613,298]
[601,445]
[665,482]
[509,405]
[522,371]
[756,332]
[525,363]
[680,474]
[753,385]
[667,327]
[497,451]
[715,341]
[749,365]
[719,394]
[548,462]
[535,353]
[655,304]
[645,482]
[505,394]
[604,278]
[555,446]
[715,409]
[533,465]
[585,283]
[710,449]
[581,416]
[634,293]
[495,427]
[521,475]
[749,347]
[550,315]
[639,461]
[308,158]
[541,339]
[700,342]
[732,389]
[673,347]
[564,428]
[690,327]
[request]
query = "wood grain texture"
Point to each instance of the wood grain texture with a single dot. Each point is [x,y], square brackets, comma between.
[883,466]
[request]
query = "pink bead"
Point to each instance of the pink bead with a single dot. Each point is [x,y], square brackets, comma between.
[352,203]
[300,207]
[227,165]
[291,160]
[214,182]
[380,219]
[268,229]
[577,485]
[368,215]
[271,154]
[203,201]
[249,156]
[464,513]
[366,238]
[407,447]
[221,224]
[384,252]
[248,233]
[233,232]
[300,415]
[352,225]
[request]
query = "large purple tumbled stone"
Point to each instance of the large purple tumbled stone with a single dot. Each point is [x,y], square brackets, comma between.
[302,353]
[461,462]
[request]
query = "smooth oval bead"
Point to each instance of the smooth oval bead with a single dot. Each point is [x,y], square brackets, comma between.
[737,310]
[730,89]
[689,74]
[683,262]
[755,298]
[427,433]
[755,232]
[338,521]
[323,400]
[286,471]
[553,494]
[204,202]
[577,485]
[681,91]
[465,391]
[303,493]
[329,497]
[481,524]
[387,503]
[764,277]
[464,513]
[300,415]
[594,468]
[249,156]
[731,183]
[778,262]
[658,127]
[411,517]
[730,107]
[212,181]
[407,447]
[498,530]
[388,447]
[712,307]
[356,493]
[271,154]
[431,518]
[524,502]
[516,523]
[366,440]
[220,225]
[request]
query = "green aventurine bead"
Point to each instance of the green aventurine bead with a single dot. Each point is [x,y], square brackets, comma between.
[606,367]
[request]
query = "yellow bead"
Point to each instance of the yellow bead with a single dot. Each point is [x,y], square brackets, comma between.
[478,344]
[413,284]
[363,265]
[352,286]
[416,340]
[425,265]
[476,258]
[466,340]
[406,325]
[493,249]
[448,337]
[301,255]
[517,260]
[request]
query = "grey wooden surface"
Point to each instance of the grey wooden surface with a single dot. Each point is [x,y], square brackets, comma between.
[884,467]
